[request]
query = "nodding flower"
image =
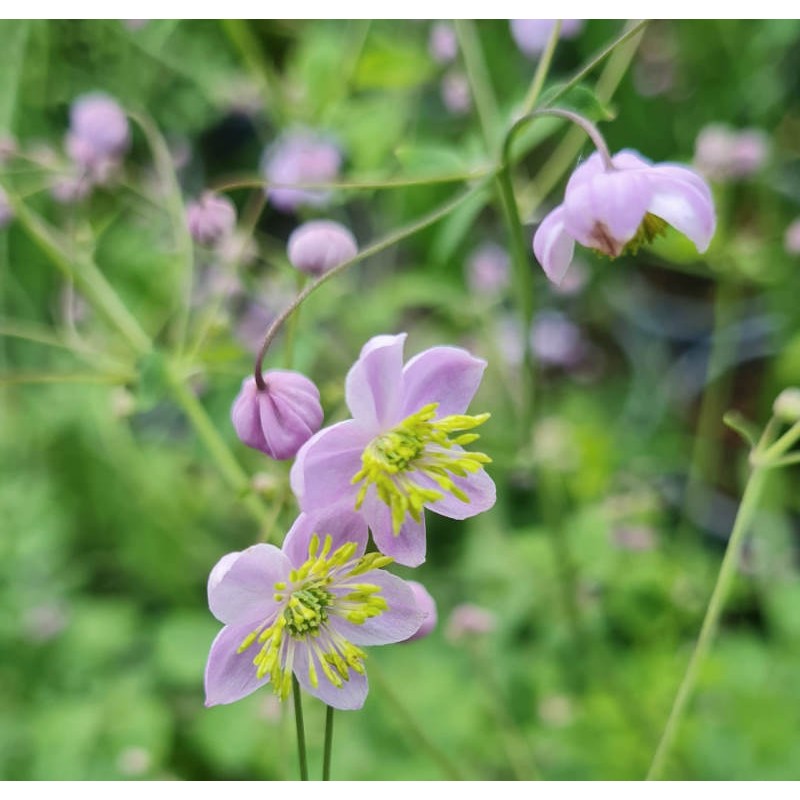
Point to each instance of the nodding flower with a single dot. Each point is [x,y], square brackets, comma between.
[211,218]
[99,134]
[320,245]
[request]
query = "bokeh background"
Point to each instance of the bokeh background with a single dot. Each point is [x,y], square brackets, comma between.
[591,574]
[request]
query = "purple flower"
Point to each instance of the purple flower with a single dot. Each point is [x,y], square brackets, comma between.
[301,157]
[531,35]
[279,419]
[442,44]
[556,340]
[427,607]
[722,153]
[455,92]
[469,620]
[306,609]
[99,134]
[6,212]
[488,270]
[211,218]
[618,208]
[319,246]
[791,239]
[403,451]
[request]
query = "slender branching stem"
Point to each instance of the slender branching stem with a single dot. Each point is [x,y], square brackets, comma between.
[301,730]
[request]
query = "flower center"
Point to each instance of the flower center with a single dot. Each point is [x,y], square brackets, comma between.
[325,585]
[651,228]
[413,464]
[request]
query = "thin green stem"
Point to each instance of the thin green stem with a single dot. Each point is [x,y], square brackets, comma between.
[778,448]
[301,730]
[291,328]
[744,518]
[542,68]
[326,759]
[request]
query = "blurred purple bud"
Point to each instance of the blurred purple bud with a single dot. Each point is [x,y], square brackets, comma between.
[99,134]
[531,35]
[70,189]
[638,538]
[8,148]
[722,153]
[319,246]
[467,620]
[488,269]
[556,340]
[427,605]
[300,157]
[443,45]
[135,24]
[211,218]
[6,212]
[791,239]
[279,419]
[455,93]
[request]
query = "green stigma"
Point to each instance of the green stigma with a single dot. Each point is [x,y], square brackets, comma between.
[308,603]
[651,228]
[419,446]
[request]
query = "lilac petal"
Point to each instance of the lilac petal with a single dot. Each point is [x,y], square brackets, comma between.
[408,547]
[630,159]
[585,171]
[246,418]
[231,675]
[478,486]
[342,523]
[349,697]
[323,471]
[448,376]
[240,590]
[427,605]
[373,388]
[605,212]
[681,198]
[401,619]
[553,246]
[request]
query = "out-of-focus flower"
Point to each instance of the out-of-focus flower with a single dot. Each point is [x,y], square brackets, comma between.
[44,622]
[301,157]
[427,606]
[791,239]
[531,35]
[574,281]
[556,710]
[455,92]
[306,609]
[787,405]
[6,212]
[69,189]
[468,620]
[554,445]
[211,218]
[403,451]
[637,538]
[722,153]
[8,148]
[488,270]
[443,44]
[619,207]
[135,24]
[134,761]
[319,246]
[99,135]
[556,341]
[279,419]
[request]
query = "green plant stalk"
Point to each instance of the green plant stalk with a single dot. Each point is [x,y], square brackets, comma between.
[542,68]
[326,758]
[301,731]
[744,518]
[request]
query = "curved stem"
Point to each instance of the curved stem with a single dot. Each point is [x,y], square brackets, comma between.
[727,572]
[326,759]
[371,250]
[301,731]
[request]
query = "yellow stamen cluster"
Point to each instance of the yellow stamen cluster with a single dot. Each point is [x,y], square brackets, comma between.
[420,445]
[308,603]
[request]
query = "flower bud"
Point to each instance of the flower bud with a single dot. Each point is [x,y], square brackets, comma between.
[791,239]
[532,35]
[279,419]
[99,133]
[455,92]
[319,246]
[787,405]
[427,605]
[469,620]
[210,219]
[443,44]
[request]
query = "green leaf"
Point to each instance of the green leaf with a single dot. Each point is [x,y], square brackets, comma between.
[580,99]
[392,64]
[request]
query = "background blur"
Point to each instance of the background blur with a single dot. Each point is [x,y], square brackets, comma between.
[592,572]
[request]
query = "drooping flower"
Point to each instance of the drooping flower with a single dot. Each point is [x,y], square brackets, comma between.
[300,157]
[427,607]
[306,609]
[532,35]
[98,136]
[722,153]
[619,207]
[319,246]
[280,418]
[443,44]
[403,450]
[211,218]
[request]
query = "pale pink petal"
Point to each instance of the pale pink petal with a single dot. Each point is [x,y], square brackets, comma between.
[349,697]
[427,605]
[553,246]
[478,486]
[230,675]
[342,523]
[408,546]
[448,376]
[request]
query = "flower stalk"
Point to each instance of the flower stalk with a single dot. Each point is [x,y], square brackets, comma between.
[326,758]
[301,731]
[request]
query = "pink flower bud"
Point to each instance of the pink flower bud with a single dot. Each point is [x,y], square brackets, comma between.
[488,270]
[722,153]
[319,246]
[98,132]
[531,35]
[455,92]
[791,239]
[211,218]
[427,605]
[279,419]
[443,45]
[469,620]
